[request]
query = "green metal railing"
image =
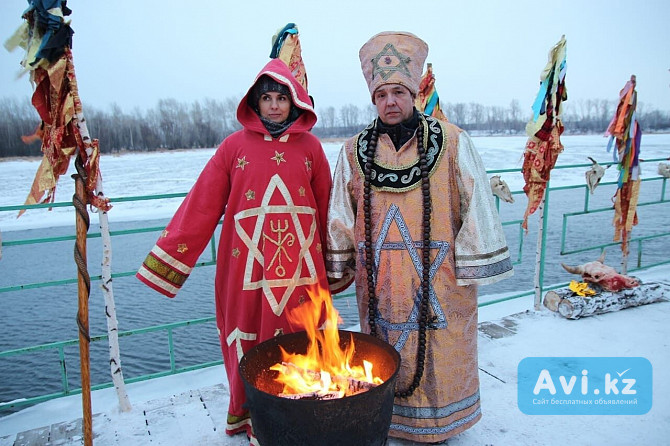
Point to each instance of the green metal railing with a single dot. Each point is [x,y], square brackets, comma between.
[168,329]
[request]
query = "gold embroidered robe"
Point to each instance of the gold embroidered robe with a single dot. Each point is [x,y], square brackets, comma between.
[467,248]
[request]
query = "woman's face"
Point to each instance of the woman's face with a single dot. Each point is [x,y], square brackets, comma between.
[274,106]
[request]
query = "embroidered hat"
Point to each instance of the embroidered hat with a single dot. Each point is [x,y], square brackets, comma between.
[393,57]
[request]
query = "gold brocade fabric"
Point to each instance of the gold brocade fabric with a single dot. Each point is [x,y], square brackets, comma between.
[544,129]
[625,132]
[427,99]
[539,158]
[467,247]
[291,55]
[625,212]
[56,99]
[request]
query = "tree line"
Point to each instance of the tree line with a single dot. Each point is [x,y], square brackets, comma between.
[201,124]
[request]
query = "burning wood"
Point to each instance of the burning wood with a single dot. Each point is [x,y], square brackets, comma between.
[325,367]
[316,396]
[337,386]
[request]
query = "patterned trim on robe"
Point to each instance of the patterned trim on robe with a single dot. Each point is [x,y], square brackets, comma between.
[437,413]
[403,178]
[163,272]
[495,264]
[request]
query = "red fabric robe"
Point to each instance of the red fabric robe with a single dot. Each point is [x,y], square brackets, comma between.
[273,196]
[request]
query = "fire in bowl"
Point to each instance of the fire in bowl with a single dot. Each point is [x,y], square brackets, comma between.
[360,419]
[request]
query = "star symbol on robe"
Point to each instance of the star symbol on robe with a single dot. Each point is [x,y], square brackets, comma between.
[164,233]
[301,191]
[390,54]
[308,163]
[318,247]
[242,162]
[236,252]
[250,194]
[279,157]
[412,324]
[182,248]
[237,336]
[284,286]
[278,332]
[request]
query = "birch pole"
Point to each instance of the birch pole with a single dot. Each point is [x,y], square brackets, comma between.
[624,255]
[110,313]
[107,289]
[539,252]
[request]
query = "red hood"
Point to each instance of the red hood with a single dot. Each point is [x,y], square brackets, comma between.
[278,71]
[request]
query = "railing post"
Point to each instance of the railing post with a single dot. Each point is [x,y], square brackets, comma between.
[173,365]
[63,370]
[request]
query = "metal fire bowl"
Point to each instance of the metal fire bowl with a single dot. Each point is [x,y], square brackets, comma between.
[362,419]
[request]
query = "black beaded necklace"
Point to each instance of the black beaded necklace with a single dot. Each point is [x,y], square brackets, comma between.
[425,279]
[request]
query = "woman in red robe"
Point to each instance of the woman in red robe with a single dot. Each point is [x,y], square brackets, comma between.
[270,182]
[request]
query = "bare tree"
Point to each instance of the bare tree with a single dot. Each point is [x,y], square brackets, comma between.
[327,117]
[459,113]
[476,115]
[204,124]
[349,116]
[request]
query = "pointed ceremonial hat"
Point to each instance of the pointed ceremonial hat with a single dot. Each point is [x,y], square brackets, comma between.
[393,57]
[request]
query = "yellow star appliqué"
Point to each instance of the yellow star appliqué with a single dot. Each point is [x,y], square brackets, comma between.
[182,248]
[164,233]
[242,162]
[308,163]
[279,157]
[250,194]
[236,252]
[301,191]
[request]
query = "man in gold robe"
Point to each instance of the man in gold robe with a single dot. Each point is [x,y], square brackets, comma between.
[413,221]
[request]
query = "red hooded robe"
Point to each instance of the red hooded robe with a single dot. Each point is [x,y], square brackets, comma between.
[273,195]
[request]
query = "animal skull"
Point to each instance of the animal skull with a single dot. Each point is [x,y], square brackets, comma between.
[603,275]
[664,169]
[500,189]
[594,175]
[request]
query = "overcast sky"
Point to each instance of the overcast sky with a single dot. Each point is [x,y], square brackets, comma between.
[135,52]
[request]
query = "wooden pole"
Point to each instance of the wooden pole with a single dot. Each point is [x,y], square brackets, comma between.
[83,291]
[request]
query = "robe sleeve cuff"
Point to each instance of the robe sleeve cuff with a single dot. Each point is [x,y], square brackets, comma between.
[163,273]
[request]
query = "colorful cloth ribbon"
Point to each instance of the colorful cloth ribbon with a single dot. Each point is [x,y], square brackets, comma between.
[624,132]
[544,129]
[427,100]
[286,47]
[56,99]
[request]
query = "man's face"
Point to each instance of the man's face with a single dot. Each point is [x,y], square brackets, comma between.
[394,103]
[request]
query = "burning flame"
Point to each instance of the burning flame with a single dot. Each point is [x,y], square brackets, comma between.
[325,370]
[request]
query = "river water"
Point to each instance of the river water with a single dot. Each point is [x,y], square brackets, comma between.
[42,315]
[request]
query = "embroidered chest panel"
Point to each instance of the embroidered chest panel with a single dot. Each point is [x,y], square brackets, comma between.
[402,178]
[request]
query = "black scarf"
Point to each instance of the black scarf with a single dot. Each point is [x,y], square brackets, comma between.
[402,132]
[277,128]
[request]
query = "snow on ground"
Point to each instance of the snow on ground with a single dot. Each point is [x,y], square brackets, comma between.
[171,408]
